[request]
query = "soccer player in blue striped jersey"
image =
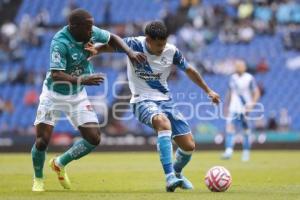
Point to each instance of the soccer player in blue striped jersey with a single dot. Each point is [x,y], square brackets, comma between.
[242,97]
[151,100]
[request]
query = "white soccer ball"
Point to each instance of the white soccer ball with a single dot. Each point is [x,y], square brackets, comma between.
[218,179]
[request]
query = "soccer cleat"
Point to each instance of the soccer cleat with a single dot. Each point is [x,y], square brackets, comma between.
[173,182]
[186,184]
[226,156]
[61,174]
[245,156]
[38,185]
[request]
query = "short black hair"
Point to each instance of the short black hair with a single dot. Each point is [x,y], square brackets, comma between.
[78,16]
[156,30]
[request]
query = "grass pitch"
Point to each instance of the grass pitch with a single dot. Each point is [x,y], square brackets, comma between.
[105,176]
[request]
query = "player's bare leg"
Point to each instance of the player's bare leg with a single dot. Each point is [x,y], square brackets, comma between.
[162,126]
[91,138]
[38,153]
[186,147]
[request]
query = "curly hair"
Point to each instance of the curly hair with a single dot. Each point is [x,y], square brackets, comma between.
[156,30]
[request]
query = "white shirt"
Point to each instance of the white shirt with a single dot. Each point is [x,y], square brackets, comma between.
[242,87]
[148,81]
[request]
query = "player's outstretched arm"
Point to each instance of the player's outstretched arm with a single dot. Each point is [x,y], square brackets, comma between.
[116,43]
[226,102]
[197,78]
[94,79]
[256,95]
[255,98]
[95,49]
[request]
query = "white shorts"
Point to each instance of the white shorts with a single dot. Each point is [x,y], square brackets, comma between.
[77,108]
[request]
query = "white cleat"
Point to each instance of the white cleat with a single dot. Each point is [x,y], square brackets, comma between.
[226,156]
[246,156]
[38,185]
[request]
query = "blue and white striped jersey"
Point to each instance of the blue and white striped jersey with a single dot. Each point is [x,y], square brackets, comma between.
[241,88]
[148,81]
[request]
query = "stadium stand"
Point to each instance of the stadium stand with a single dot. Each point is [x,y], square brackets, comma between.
[280,83]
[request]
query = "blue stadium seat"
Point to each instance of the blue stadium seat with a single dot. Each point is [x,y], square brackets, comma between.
[278,81]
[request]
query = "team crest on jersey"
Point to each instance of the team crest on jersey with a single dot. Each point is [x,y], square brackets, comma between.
[55,57]
[163,60]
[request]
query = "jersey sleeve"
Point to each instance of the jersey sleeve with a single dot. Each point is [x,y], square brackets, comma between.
[58,54]
[179,60]
[132,43]
[100,35]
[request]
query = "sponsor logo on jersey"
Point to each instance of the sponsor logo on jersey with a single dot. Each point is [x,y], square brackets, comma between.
[146,75]
[77,71]
[75,56]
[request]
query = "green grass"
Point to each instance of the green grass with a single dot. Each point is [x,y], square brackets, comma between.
[269,175]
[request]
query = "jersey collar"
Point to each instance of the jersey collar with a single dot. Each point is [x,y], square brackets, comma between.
[147,49]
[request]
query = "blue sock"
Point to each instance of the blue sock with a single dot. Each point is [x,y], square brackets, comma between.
[246,140]
[182,159]
[229,140]
[165,149]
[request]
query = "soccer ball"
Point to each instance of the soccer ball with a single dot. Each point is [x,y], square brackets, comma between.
[218,179]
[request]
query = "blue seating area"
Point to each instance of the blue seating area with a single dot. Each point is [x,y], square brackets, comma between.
[37,60]
[138,11]
[281,85]
[23,116]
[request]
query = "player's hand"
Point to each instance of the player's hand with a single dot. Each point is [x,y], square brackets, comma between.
[91,48]
[137,57]
[249,108]
[215,98]
[94,79]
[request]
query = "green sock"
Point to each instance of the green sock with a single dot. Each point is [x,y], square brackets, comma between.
[78,150]
[38,159]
